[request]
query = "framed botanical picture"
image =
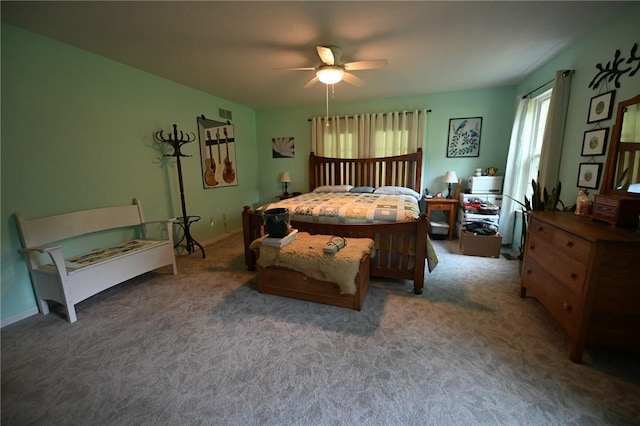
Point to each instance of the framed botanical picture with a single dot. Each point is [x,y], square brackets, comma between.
[601,107]
[589,175]
[464,137]
[594,142]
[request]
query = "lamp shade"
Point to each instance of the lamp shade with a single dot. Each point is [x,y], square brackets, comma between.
[450,177]
[285,177]
[330,74]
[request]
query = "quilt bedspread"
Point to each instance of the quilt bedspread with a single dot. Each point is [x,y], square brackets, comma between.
[351,208]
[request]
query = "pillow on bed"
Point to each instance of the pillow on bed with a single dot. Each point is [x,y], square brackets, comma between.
[397,190]
[333,188]
[362,189]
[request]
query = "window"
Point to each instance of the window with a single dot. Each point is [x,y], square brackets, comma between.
[537,114]
[369,135]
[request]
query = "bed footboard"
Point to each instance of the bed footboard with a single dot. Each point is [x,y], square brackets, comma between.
[401,247]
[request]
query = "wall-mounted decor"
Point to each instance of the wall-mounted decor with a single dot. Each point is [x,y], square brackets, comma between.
[600,107]
[464,137]
[594,142]
[283,147]
[217,153]
[616,68]
[589,175]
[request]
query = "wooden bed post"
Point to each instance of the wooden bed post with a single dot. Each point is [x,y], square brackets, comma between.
[250,231]
[421,253]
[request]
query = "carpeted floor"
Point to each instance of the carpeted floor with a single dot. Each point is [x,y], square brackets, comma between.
[205,347]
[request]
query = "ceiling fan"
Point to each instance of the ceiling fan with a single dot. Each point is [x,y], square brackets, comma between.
[332,71]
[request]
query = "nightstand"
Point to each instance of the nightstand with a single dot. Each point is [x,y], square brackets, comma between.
[290,195]
[448,205]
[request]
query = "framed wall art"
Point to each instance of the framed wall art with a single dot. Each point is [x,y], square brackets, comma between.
[594,142]
[601,107]
[284,147]
[589,175]
[217,153]
[464,137]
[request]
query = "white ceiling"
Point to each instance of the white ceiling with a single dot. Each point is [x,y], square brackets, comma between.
[231,49]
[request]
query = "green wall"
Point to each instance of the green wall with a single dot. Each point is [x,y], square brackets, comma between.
[77,133]
[495,106]
[619,32]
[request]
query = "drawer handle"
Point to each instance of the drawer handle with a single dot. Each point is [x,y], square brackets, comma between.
[528,271]
[539,228]
[569,243]
[567,307]
[574,276]
[304,278]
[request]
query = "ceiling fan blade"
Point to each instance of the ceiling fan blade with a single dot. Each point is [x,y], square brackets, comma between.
[311,82]
[352,79]
[295,69]
[326,55]
[366,65]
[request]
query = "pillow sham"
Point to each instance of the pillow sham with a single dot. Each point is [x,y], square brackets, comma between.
[333,188]
[362,189]
[397,190]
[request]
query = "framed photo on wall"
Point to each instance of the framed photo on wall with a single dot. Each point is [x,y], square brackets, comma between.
[601,107]
[594,142]
[464,137]
[589,175]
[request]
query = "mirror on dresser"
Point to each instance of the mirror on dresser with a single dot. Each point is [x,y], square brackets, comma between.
[619,200]
[622,175]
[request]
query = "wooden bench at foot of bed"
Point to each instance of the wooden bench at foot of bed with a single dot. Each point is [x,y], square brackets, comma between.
[285,282]
[302,270]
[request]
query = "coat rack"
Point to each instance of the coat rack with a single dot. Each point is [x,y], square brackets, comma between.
[185,221]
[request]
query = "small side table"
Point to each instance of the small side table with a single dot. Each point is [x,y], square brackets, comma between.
[290,195]
[448,205]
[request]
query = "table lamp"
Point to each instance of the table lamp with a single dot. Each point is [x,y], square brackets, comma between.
[286,179]
[450,178]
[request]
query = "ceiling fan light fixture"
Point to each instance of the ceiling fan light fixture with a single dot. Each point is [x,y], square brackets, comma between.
[330,75]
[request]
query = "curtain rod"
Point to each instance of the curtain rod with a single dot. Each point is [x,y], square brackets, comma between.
[351,116]
[564,74]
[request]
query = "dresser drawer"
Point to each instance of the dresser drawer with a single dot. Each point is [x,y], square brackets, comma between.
[562,303]
[565,242]
[565,269]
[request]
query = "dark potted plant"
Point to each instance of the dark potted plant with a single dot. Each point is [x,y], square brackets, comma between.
[541,200]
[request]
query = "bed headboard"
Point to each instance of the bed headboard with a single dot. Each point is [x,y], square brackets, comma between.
[400,170]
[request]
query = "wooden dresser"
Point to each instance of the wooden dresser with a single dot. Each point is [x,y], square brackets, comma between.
[587,275]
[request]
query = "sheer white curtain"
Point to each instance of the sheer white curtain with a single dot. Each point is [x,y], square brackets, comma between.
[553,139]
[369,135]
[519,165]
[517,170]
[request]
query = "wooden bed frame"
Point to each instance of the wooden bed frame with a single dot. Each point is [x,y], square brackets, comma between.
[393,258]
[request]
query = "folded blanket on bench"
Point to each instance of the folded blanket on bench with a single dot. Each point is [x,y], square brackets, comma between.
[305,254]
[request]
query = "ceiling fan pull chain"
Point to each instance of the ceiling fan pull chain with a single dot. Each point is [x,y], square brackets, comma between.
[326,117]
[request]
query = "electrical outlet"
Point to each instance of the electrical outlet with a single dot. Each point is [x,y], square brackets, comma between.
[211,221]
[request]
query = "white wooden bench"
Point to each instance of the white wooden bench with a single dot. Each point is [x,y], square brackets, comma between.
[73,279]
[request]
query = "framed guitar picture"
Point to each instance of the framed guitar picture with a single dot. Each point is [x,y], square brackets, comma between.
[217,153]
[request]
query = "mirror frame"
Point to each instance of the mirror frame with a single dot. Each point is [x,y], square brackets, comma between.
[612,155]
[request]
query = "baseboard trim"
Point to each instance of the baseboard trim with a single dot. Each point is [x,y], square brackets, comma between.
[18,317]
[215,239]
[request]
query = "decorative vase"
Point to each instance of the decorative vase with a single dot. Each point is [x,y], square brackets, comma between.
[277,222]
